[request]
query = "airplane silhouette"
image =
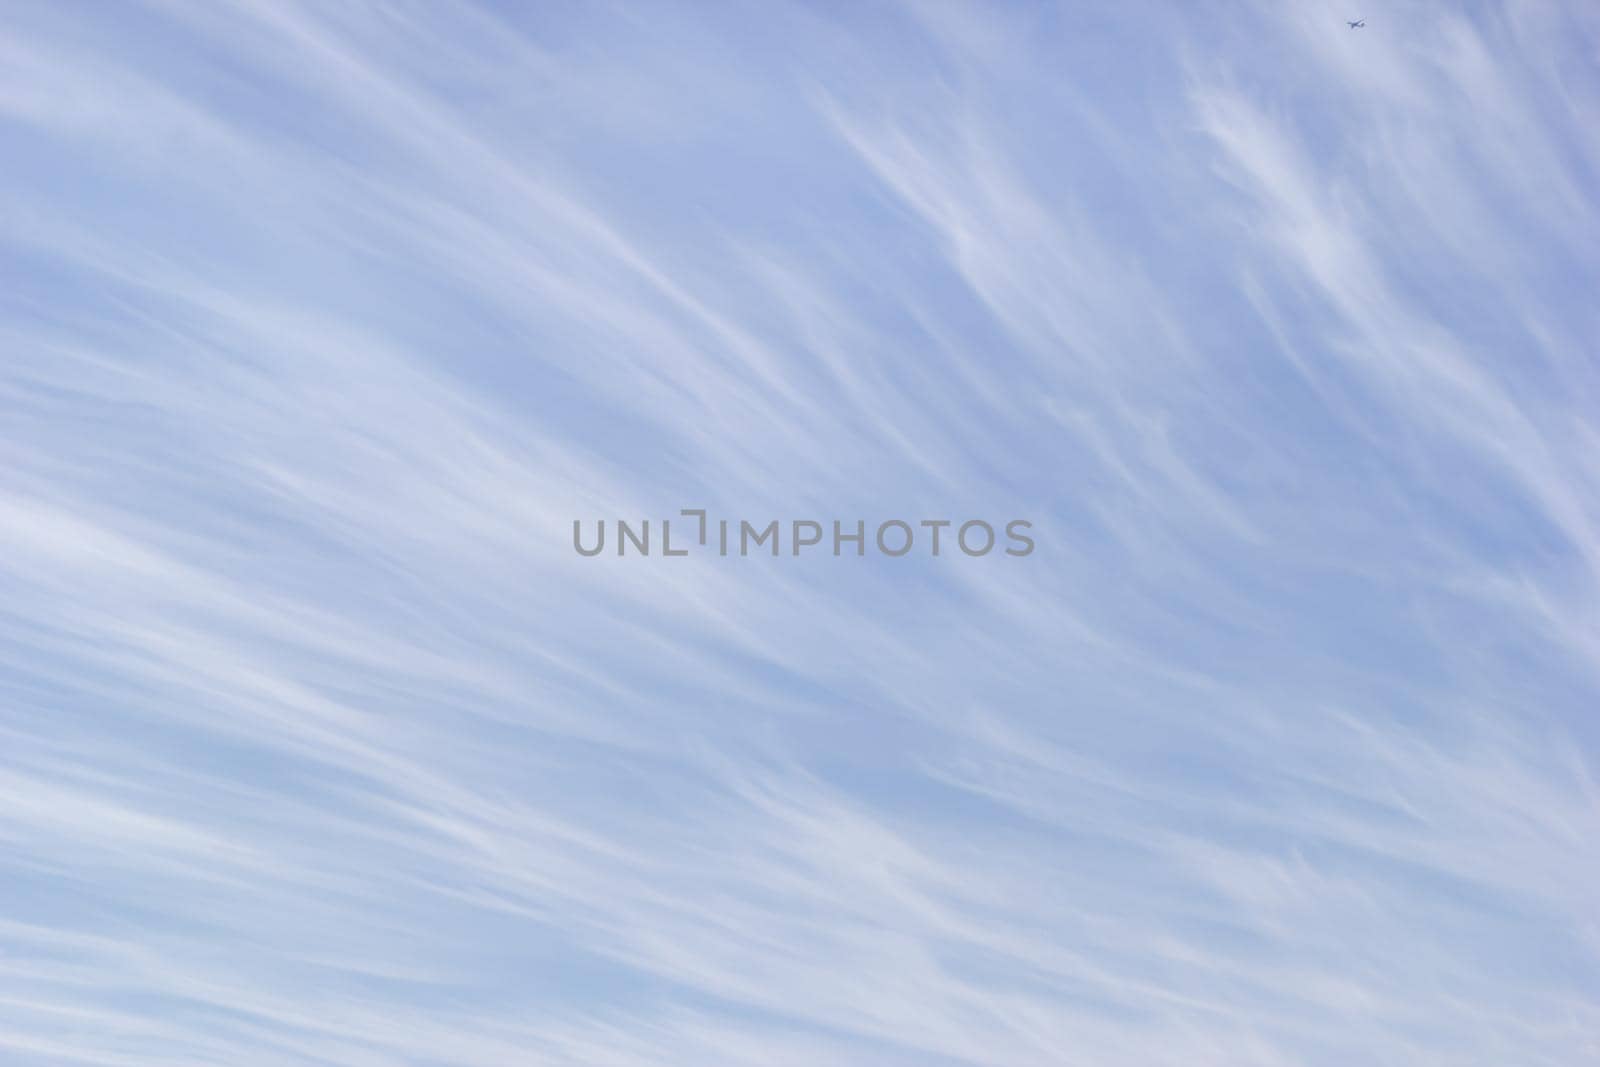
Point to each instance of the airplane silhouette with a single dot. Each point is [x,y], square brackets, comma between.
[1357,24]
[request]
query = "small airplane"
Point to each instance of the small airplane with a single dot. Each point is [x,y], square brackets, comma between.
[1357,24]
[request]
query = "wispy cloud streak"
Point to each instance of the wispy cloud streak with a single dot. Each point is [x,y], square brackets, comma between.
[318,744]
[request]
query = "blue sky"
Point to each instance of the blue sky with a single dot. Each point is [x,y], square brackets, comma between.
[322,322]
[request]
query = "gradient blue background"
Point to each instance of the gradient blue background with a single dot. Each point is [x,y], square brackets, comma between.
[320,323]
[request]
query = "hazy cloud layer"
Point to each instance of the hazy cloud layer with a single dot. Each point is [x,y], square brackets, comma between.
[321,323]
